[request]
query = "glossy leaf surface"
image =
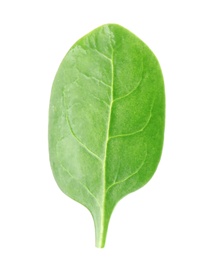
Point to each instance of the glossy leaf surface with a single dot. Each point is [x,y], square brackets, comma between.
[106,120]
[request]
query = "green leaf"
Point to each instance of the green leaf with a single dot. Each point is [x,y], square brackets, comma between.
[106,120]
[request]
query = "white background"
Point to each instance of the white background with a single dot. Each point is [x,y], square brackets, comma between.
[169,218]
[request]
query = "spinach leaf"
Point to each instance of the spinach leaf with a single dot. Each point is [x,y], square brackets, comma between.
[106,120]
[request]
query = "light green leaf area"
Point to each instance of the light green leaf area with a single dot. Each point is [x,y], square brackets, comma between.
[106,120]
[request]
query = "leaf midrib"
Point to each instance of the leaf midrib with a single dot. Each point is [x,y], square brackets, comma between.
[106,146]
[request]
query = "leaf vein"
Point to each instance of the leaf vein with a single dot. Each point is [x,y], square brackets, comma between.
[98,80]
[75,136]
[134,89]
[85,187]
[102,54]
[99,99]
[106,146]
[78,140]
[130,176]
[133,133]
[128,94]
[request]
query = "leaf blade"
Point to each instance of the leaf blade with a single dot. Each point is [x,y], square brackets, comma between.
[107,104]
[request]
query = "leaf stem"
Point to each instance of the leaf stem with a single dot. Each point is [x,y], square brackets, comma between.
[101,235]
[101,227]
